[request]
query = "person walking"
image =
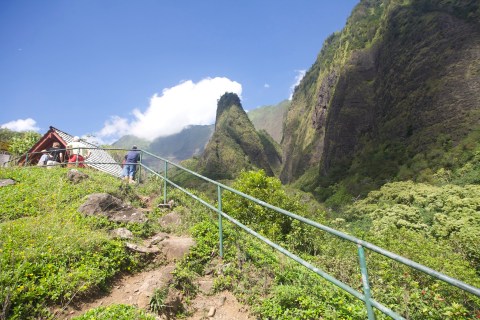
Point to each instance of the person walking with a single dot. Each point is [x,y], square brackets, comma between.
[130,166]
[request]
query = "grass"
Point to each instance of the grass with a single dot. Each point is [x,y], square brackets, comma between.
[49,253]
[53,254]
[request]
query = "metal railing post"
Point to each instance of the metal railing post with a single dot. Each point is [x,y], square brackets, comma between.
[220,228]
[366,286]
[165,184]
[139,179]
[76,158]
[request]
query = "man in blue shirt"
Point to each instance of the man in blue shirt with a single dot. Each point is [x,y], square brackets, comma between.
[133,156]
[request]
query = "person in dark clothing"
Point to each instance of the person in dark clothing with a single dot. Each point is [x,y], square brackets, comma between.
[132,158]
[56,155]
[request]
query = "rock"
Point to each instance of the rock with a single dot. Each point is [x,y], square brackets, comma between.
[143,300]
[141,249]
[6,182]
[76,176]
[122,233]
[175,248]
[104,204]
[211,312]
[101,202]
[171,218]
[222,301]
[174,301]
[159,237]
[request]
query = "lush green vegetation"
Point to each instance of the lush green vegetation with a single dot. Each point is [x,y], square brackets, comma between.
[53,254]
[235,145]
[278,288]
[117,312]
[17,143]
[386,84]
[50,253]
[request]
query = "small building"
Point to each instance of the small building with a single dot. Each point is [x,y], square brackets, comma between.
[99,158]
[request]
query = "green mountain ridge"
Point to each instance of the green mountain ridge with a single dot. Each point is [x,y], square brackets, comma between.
[235,144]
[398,84]
[191,141]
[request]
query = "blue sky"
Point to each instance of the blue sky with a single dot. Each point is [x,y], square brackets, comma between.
[150,67]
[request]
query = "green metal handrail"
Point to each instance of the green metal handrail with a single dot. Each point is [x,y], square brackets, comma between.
[361,245]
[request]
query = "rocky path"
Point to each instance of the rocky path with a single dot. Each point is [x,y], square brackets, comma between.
[137,289]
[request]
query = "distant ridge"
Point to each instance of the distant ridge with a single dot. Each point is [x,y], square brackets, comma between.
[270,119]
[187,143]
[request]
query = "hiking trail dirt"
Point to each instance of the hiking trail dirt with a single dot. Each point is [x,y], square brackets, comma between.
[137,289]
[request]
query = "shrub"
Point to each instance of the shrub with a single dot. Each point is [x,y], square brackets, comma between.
[117,312]
[274,225]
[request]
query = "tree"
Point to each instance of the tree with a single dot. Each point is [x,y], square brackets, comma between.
[268,222]
[21,144]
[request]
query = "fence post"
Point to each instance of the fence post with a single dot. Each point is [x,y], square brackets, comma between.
[220,228]
[165,183]
[366,286]
[139,166]
[26,159]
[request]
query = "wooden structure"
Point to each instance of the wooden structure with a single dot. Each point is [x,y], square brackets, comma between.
[99,158]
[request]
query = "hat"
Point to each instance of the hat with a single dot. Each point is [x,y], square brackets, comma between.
[44,150]
[134,147]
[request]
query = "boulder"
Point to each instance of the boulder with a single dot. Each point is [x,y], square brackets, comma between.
[6,182]
[122,233]
[175,248]
[76,176]
[169,219]
[104,204]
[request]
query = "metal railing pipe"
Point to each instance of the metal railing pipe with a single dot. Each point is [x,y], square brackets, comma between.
[287,253]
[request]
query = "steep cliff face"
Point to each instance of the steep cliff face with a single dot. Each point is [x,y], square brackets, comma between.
[405,85]
[235,145]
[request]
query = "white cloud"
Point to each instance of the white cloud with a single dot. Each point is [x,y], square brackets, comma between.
[298,78]
[21,125]
[115,126]
[266,85]
[185,104]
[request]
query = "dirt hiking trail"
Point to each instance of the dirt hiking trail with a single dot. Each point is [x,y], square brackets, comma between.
[137,289]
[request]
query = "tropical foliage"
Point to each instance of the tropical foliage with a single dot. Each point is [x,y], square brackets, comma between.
[51,254]
[22,142]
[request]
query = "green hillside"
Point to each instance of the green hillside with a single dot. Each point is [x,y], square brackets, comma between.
[388,98]
[235,145]
[51,253]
